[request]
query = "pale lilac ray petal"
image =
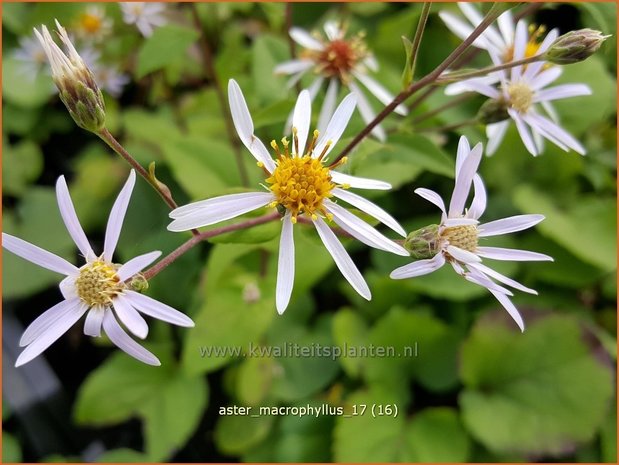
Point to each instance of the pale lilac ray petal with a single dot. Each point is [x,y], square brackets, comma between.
[369,208]
[462,255]
[117,217]
[382,94]
[51,334]
[451,222]
[545,77]
[137,264]
[457,267]
[290,83]
[67,211]
[524,132]
[462,29]
[234,206]
[158,310]
[118,336]
[129,316]
[520,44]
[431,197]
[533,68]
[301,120]
[481,279]
[328,106]
[478,206]
[501,278]
[480,86]
[558,132]
[315,86]
[37,255]
[418,268]
[464,148]
[562,91]
[500,253]
[293,66]
[94,319]
[336,126]
[475,17]
[495,133]
[509,225]
[67,286]
[510,307]
[304,39]
[464,180]
[357,182]
[47,319]
[342,259]
[506,27]
[362,231]
[285,266]
[371,63]
[550,111]
[366,111]
[539,132]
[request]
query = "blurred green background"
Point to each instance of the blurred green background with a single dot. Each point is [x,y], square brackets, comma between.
[477,390]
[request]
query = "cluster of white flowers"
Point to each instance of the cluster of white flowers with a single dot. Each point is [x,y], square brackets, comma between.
[299,181]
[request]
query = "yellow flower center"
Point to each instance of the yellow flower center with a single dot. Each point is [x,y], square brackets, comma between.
[91,23]
[98,283]
[300,182]
[520,96]
[463,237]
[532,47]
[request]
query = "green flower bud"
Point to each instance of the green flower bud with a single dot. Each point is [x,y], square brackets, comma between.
[493,111]
[139,283]
[575,46]
[423,243]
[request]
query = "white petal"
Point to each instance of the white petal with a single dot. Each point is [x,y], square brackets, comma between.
[129,316]
[478,85]
[304,39]
[293,66]
[207,212]
[562,91]
[495,133]
[342,259]
[464,148]
[540,132]
[260,153]
[510,307]
[545,77]
[37,255]
[550,111]
[509,225]
[481,279]
[124,342]
[47,319]
[506,26]
[301,120]
[67,286]
[137,264]
[418,268]
[500,253]
[524,132]
[534,68]
[158,310]
[67,211]
[464,179]
[432,197]
[462,29]
[336,126]
[117,216]
[362,231]
[502,278]
[315,86]
[332,30]
[380,92]
[556,131]
[462,255]
[51,334]
[285,266]
[328,106]
[478,206]
[369,208]
[475,17]
[520,44]
[94,319]
[366,111]
[360,183]
[371,63]
[451,222]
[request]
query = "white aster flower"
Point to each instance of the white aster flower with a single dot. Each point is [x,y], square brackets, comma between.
[92,24]
[111,79]
[299,182]
[340,61]
[456,239]
[101,289]
[31,56]
[146,16]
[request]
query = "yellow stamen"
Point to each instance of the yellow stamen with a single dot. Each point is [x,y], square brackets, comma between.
[463,237]
[98,283]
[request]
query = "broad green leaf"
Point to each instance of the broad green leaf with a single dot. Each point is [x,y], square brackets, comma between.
[533,392]
[304,439]
[608,437]
[122,456]
[350,329]
[167,46]
[11,450]
[267,52]
[254,379]
[22,89]
[22,163]
[587,228]
[235,434]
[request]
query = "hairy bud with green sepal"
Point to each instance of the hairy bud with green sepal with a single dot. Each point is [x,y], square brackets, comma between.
[423,243]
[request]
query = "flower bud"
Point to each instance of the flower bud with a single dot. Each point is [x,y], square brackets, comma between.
[493,111]
[76,83]
[575,46]
[424,242]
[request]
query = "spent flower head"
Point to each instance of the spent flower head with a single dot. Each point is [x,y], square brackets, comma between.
[75,81]
[103,290]
[299,184]
[342,61]
[456,239]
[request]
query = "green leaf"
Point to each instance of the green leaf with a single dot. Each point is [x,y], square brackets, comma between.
[350,329]
[122,456]
[407,74]
[253,380]
[11,451]
[586,228]
[524,394]
[437,435]
[167,46]
[235,434]
[23,89]
[267,52]
[23,163]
